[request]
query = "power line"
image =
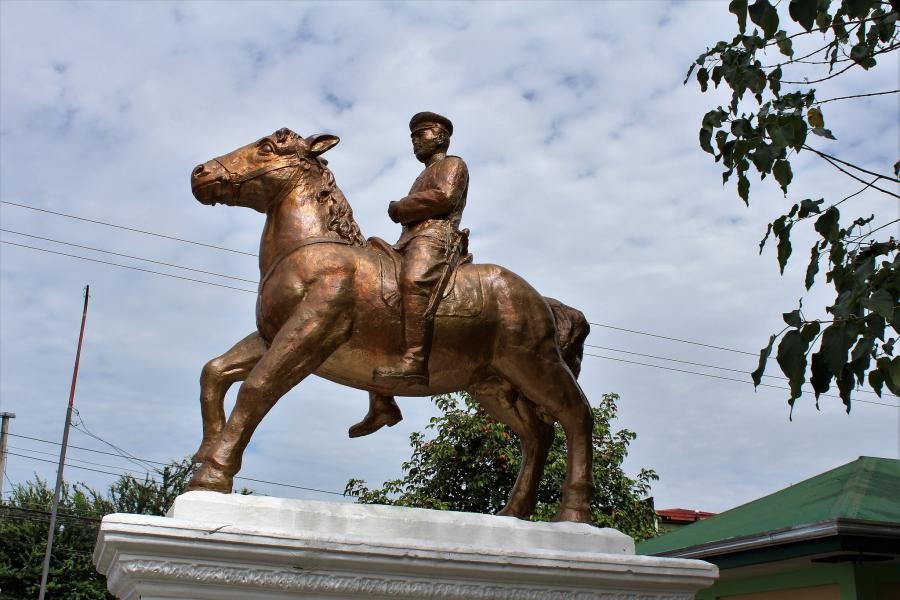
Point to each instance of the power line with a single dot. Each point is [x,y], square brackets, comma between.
[777,387]
[150,260]
[159,235]
[288,485]
[69,462]
[708,366]
[81,448]
[128,267]
[674,339]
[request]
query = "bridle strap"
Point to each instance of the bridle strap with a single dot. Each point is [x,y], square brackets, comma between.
[293,160]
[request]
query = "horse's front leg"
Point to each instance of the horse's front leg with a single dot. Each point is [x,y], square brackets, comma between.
[217,376]
[318,326]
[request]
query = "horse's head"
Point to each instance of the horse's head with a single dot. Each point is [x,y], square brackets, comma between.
[260,174]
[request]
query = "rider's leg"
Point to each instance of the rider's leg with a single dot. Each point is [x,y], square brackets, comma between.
[423,262]
[383,410]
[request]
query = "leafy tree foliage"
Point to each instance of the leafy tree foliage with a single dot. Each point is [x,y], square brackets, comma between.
[788,118]
[472,461]
[25,518]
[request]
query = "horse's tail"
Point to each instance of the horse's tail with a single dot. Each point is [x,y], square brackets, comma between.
[572,328]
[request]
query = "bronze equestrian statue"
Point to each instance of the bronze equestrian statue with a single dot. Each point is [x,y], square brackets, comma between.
[332,303]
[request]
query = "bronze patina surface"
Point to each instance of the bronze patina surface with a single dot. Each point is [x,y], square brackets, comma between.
[335,304]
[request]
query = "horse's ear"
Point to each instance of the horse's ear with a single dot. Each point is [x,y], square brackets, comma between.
[321,143]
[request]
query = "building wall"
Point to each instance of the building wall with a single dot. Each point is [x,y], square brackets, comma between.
[837,582]
[843,581]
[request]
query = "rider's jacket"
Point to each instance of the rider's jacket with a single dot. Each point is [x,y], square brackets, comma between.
[435,202]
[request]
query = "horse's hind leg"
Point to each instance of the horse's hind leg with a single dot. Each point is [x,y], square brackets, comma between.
[543,377]
[217,376]
[505,404]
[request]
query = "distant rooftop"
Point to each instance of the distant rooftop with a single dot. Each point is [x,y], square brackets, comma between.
[863,492]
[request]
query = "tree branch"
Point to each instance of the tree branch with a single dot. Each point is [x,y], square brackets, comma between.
[822,79]
[874,187]
[851,165]
[856,96]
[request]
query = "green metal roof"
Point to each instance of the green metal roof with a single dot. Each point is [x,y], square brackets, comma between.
[866,489]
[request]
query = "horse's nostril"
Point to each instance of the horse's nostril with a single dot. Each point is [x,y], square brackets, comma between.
[200,170]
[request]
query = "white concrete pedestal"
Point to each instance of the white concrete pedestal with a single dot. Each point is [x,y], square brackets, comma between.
[229,547]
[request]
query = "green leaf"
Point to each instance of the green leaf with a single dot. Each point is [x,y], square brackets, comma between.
[825,133]
[859,53]
[705,139]
[743,187]
[876,381]
[890,370]
[809,207]
[764,14]
[804,12]
[882,302]
[762,242]
[813,266]
[741,128]
[857,9]
[792,360]
[823,19]
[764,353]
[846,383]
[827,224]
[886,26]
[820,375]
[702,78]
[784,43]
[739,9]
[762,158]
[835,344]
[793,318]
[784,247]
[783,175]
[809,332]
[775,81]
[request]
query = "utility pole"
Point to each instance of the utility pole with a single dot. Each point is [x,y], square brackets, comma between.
[62,451]
[4,432]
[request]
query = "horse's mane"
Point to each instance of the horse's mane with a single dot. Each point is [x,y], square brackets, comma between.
[340,214]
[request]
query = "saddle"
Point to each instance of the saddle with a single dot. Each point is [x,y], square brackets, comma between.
[461,296]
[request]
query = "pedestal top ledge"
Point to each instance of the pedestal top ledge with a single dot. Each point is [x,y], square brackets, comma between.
[398,526]
[229,547]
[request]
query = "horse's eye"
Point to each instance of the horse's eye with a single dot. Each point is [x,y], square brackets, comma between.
[266,148]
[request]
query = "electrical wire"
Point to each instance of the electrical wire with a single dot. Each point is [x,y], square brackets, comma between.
[105,262]
[708,366]
[777,387]
[278,483]
[149,260]
[132,229]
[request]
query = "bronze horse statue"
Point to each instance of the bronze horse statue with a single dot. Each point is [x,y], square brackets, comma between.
[327,305]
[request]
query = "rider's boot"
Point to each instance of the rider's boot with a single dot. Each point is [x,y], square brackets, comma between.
[417,330]
[383,410]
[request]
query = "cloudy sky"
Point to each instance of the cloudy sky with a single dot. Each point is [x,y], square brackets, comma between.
[586,179]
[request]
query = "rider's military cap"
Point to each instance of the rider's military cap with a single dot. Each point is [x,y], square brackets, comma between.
[429,119]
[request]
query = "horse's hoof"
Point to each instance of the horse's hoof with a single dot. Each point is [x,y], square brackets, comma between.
[211,479]
[574,515]
[514,511]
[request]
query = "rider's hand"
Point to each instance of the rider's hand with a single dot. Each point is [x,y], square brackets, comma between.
[392,212]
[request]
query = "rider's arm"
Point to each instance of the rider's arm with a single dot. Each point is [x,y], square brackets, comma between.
[449,183]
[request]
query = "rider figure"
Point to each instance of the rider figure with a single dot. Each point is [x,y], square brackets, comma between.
[430,215]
